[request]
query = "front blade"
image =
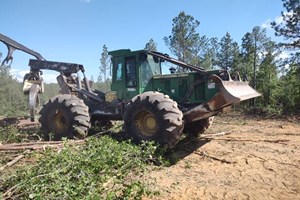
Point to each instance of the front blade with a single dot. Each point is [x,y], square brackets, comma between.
[235,91]
[230,92]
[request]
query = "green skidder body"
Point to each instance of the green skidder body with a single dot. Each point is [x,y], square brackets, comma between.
[138,77]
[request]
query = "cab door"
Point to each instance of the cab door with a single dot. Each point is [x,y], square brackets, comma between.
[118,77]
[131,77]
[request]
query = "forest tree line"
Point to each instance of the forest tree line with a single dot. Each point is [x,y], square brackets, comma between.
[256,58]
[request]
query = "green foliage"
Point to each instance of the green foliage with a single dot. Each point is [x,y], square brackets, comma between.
[104,67]
[51,89]
[184,36]
[256,59]
[288,91]
[225,55]
[188,46]
[263,111]
[12,100]
[12,134]
[228,53]
[290,27]
[102,86]
[253,45]
[267,76]
[210,56]
[101,169]
[204,52]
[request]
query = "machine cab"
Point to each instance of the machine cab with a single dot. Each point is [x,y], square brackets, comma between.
[132,72]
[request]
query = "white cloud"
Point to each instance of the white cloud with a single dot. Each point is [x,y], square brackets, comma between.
[48,77]
[283,55]
[267,24]
[277,20]
[18,74]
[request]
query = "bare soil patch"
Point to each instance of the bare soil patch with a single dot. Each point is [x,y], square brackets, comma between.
[238,158]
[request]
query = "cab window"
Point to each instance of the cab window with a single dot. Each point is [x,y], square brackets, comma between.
[118,69]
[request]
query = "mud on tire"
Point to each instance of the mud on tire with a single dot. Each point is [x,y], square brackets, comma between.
[153,116]
[64,116]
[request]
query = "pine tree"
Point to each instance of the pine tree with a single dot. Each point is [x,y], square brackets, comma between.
[267,75]
[290,27]
[198,51]
[151,45]
[237,58]
[104,67]
[12,100]
[225,55]
[253,45]
[184,36]
[288,90]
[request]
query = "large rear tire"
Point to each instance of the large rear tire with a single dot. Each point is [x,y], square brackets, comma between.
[198,127]
[153,116]
[64,116]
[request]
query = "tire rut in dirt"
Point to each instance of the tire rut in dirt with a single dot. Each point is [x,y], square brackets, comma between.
[64,116]
[153,116]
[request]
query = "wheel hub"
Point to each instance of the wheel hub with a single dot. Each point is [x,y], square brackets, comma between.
[146,123]
[59,120]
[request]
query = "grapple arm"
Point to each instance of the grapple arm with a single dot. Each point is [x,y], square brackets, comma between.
[33,82]
[13,45]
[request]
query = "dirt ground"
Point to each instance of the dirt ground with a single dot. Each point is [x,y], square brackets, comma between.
[237,158]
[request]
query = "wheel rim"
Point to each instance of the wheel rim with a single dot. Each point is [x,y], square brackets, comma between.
[146,122]
[60,120]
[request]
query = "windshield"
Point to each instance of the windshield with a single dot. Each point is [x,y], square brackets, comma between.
[154,65]
[149,68]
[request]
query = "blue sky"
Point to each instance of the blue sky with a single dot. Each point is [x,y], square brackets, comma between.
[76,30]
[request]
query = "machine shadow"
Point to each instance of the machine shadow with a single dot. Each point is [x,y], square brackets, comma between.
[184,148]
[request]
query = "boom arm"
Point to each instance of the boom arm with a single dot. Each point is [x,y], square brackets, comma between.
[177,62]
[62,67]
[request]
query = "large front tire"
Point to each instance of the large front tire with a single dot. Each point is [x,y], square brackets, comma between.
[64,116]
[153,116]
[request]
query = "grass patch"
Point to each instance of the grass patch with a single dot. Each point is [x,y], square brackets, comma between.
[103,168]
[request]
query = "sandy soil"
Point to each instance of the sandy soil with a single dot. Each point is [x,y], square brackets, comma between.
[237,158]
